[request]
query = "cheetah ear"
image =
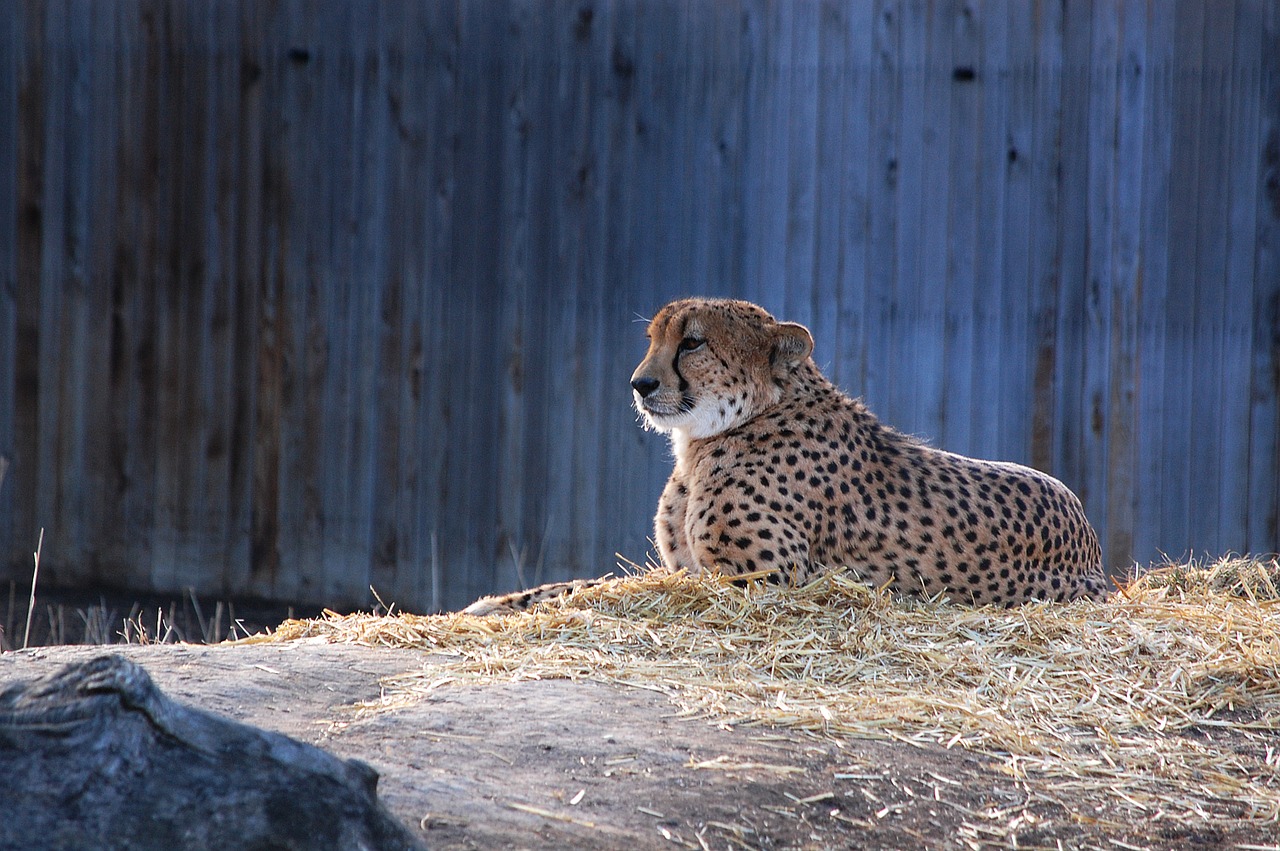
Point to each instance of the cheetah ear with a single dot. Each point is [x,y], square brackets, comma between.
[792,344]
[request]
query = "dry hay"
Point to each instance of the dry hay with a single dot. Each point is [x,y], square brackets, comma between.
[1162,703]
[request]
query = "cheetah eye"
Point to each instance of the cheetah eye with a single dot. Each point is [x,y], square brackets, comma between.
[691,344]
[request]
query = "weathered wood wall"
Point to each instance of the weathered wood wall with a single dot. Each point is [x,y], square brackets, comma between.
[298,297]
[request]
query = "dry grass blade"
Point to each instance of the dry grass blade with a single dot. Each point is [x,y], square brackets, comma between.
[35,579]
[1164,699]
[539,811]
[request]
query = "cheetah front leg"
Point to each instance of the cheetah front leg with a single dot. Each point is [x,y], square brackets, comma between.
[669,526]
[734,534]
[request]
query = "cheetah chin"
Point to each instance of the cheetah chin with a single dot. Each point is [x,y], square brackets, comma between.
[777,470]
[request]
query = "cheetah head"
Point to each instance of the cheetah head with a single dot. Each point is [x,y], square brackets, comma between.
[714,364]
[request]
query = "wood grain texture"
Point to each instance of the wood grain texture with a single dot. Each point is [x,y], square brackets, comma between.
[302,298]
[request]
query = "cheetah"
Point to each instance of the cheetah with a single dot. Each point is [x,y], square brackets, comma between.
[778,472]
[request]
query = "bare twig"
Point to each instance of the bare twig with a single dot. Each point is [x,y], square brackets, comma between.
[35,575]
[195,604]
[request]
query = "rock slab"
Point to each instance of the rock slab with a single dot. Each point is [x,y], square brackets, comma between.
[96,756]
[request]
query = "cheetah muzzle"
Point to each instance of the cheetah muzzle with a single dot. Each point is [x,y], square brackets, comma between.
[777,470]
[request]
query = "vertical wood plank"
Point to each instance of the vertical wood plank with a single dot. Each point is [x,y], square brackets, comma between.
[968,302]
[52,304]
[180,285]
[327,305]
[623,510]
[558,243]
[828,210]
[632,466]
[100,503]
[435,42]
[1020,350]
[1243,79]
[162,276]
[267,529]
[1264,412]
[987,51]
[1242,83]
[12,65]
[1099,287]
[1119,471]
[884,191]
[1206,386]
[1045,277]
[1150,532]
[132,429]
[765,265]
[545,347]
[1071,262]
[162,379]
[314,287]
[927,315]
[402,559]
[799,117]
[485,266]
[519,102]
[580,257]
[76,370]
[467,516]
[1179,366]
[217,524]
[36,66]
[251,75]
[650,22]
[913,380]
[722,143]
[374,530]
[849,63]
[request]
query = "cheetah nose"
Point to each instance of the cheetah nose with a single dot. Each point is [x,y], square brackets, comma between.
[644,386]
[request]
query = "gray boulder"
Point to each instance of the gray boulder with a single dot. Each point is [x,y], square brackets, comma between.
[95,756]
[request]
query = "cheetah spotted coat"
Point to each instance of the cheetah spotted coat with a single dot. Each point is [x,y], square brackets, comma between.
[777,470]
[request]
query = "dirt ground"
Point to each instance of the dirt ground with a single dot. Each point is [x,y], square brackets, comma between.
[560,764]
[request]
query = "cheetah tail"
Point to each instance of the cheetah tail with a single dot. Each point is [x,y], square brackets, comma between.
[520,601]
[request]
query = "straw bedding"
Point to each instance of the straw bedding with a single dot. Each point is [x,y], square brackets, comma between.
[1162,703]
